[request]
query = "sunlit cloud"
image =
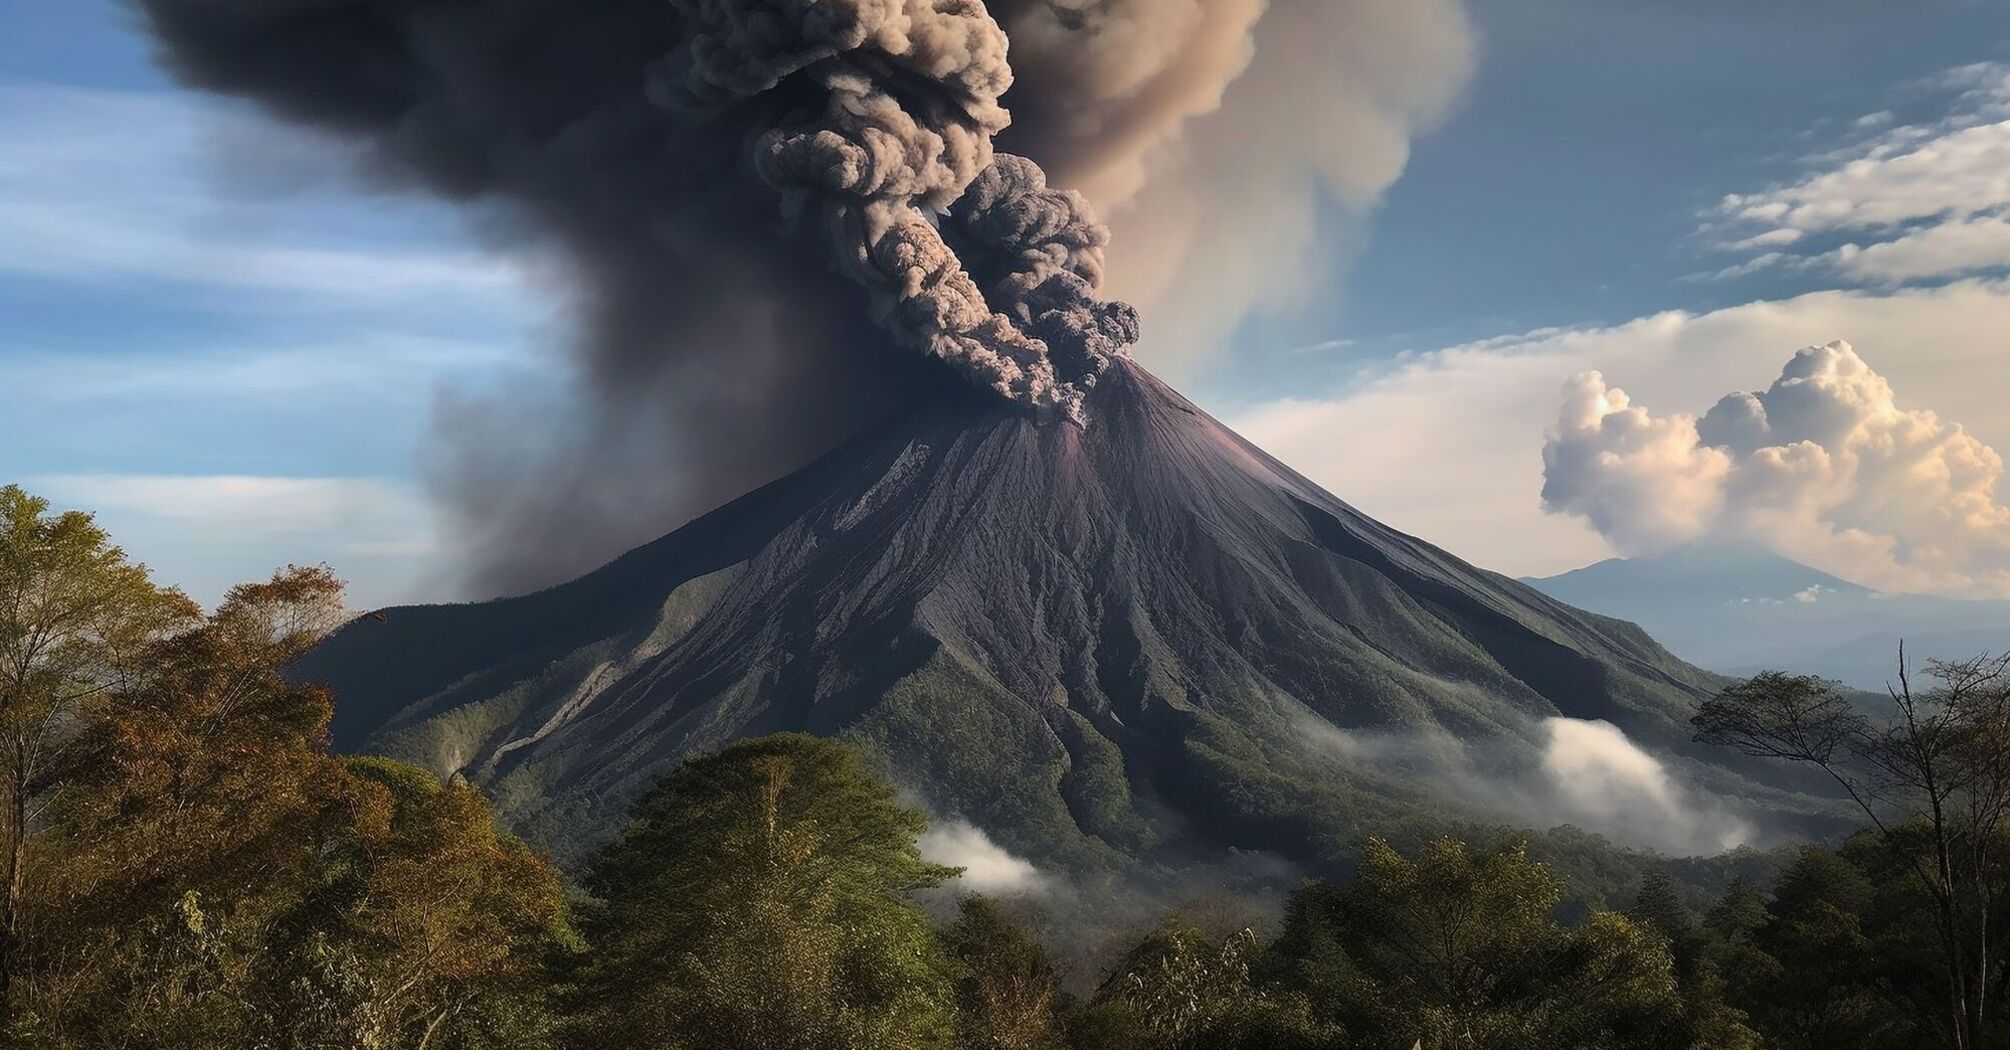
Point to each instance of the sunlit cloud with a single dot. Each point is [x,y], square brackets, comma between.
[1471,418]
[1916,201]
[1824,463]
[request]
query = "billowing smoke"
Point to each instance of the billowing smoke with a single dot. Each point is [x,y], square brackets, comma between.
[1235,146]
[1824,466]
[646,144]
[677,156]
[908,110]
[1107,84]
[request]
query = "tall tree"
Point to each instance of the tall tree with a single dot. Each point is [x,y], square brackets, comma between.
[1007,989]
[1699,972]
[75,613]
[1826,982]
[1933,779]
[1182,988]
[433,931]
[213,876]
[760,899]
[1453,948]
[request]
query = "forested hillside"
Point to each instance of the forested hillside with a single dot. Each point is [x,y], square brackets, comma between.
[188,864]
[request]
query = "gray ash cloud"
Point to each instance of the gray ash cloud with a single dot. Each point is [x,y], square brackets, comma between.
[905,104]
[749,196]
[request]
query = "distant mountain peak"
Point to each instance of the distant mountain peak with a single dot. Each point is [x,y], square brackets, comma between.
[1740,608]
[1733,571]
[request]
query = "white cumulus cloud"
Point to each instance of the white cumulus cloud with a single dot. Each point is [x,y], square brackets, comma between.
[1448,444]
[1823,464]
[1644,481]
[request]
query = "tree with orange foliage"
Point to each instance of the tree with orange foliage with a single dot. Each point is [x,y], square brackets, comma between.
[207,873]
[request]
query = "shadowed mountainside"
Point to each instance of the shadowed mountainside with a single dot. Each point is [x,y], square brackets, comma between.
[1126,640]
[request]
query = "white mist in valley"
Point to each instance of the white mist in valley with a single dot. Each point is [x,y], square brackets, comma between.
[1606,782]
[987,867]
[1582,772]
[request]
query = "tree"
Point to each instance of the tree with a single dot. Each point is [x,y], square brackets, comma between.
[182,821]
[1737,912]
[1007,991]
[761,898]
[1448,938]
[1182,989]
[212,876]
[1453,949]
[1658,906]
[1825,983]
[1711,1020]
[1942,760]
[436,932]
[74,614]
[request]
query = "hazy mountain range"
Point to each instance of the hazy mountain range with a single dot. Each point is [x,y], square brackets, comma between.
[1740,609]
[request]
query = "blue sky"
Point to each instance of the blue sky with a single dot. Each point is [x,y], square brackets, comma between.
[1566,188]
[235,363]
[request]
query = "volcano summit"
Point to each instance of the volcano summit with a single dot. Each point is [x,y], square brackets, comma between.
[1133,638]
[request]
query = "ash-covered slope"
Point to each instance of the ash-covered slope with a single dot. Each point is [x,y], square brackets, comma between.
[1093,642]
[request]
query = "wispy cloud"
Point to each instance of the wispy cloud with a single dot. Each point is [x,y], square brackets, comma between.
[362,363]
[256,503]
[237,340]
[1561,771]
[987,866]
[124,187]
[1951,247]
[1916,201]
[1598,776]
[1325,346]
[206,532]
[76,241]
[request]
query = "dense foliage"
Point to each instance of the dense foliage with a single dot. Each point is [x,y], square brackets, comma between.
[1931,775]
[190,865]
[187,864]
[760,900]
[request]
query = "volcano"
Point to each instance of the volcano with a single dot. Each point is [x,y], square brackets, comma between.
[1095,642]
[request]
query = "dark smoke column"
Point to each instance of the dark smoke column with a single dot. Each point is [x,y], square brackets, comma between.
[642,146]
[904,105]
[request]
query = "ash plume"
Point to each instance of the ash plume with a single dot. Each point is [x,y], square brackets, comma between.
[1041,253]
[677,156]
[713,351]
[1236,147]
[909,108]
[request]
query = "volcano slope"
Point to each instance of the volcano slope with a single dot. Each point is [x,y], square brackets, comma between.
[1139,638]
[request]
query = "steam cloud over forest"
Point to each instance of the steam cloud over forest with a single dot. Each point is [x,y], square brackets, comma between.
[750,196]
